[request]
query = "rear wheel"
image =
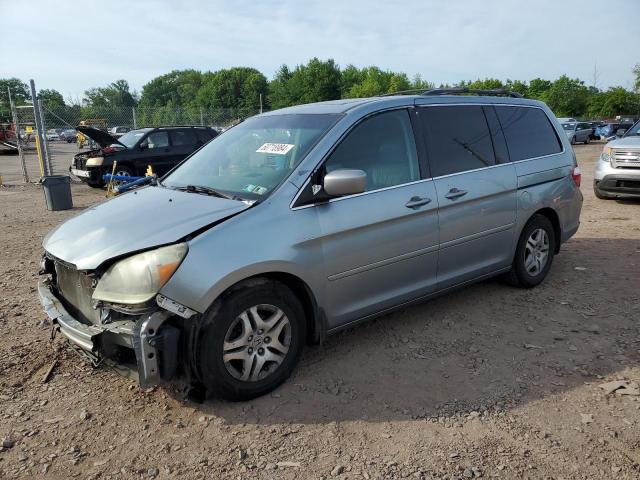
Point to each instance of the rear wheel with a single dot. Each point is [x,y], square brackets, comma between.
[250,340]
[534,253]
[573,140]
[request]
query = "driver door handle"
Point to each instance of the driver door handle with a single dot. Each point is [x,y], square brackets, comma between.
[417,202]
[454,194]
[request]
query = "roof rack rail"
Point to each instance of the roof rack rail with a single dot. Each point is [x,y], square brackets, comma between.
[499,92]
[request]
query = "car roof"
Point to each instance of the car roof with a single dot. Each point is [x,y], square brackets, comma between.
[345,105]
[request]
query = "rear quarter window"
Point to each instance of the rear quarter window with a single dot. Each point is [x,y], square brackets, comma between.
[528,132]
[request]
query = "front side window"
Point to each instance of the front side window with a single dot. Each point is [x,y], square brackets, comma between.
[251,159]
[528,132]
[458,139]
[633,131]
[383,146]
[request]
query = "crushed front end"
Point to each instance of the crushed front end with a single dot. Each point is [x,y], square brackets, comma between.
[144,341]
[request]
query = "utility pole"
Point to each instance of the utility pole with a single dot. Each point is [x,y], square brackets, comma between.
[40,136]
[14,115]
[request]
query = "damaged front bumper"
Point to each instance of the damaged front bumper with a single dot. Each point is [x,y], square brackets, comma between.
[150,337]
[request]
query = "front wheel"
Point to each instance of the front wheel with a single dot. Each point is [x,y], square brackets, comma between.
[534,253]
[250,340]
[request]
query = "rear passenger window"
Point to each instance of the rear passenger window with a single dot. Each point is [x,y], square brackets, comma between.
[204,135]
[384,147]
[528,132]
[183,137]
[458,139]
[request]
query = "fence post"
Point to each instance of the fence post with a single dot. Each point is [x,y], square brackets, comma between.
[201,117]
[14,115]
[135,122]
[47,152]
[40,137]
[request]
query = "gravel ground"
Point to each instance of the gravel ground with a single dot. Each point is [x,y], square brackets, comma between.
[489,381]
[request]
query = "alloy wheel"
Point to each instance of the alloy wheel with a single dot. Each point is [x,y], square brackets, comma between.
[256,343]
[536,252]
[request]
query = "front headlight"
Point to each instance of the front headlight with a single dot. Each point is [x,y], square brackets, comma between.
[95,161]
[138,278]
[607,154]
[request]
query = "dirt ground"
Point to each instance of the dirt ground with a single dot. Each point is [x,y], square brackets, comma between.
[489,381]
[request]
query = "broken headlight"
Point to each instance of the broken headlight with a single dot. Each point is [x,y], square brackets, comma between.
[138,278]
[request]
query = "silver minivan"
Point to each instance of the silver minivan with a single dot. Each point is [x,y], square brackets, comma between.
[578,132]
[301,222]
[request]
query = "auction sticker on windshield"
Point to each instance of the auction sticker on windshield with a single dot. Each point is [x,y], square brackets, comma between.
[277,148]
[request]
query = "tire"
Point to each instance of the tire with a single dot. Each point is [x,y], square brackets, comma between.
[521,274]
[587,140]
[229,350]
[573,140]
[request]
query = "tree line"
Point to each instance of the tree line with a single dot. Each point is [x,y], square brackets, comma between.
[244,90]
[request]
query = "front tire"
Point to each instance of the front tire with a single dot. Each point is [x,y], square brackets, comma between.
[250,340]
[534,253]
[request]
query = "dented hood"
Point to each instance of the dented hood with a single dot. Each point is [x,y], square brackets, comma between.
[135,221]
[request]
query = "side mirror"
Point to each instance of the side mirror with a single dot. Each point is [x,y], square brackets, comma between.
[143,146]
[620,132]
[345,182]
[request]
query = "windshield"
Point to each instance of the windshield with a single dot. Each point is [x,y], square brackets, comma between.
[569,126]
[131,138]
[634,130]
[252,158]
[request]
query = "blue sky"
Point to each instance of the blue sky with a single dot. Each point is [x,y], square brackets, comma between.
[72,46]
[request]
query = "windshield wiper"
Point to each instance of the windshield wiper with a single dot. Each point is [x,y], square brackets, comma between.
[207,191]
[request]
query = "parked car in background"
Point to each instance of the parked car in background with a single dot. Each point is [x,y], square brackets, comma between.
[301,222]
[117,132]
[595,129]
[52,134]
[162,148]
[578,132]
[68,135]
[566,119]
[609,130]
[617,172]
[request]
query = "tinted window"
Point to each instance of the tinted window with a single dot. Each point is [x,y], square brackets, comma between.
[458,139]
[183,137]
[157,140]
[528,132]
[499,143]
[204,135]
[383,146]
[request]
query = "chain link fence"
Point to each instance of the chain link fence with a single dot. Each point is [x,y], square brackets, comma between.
[60,122]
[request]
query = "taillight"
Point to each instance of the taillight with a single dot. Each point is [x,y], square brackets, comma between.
[108,150]
[576,175]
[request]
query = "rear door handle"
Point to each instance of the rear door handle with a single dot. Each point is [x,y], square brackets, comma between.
[454,194]
[417,202]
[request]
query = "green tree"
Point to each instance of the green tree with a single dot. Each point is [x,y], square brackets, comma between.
[419,83]
[615,101]
[567,97]
[51,98]
[19,93]
[316,81]
[234,88]
[538,88]
[116,94]
[517,86]
[178,87]
[486,84]
[374,81]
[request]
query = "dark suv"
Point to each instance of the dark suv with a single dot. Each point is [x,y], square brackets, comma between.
[162,148]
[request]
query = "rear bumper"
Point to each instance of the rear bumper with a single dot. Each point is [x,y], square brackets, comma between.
[155,346]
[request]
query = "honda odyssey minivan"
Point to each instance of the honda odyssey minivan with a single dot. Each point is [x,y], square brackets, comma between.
[300,222]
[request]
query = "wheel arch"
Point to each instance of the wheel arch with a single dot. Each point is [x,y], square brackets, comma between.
[316,326]
[553,217]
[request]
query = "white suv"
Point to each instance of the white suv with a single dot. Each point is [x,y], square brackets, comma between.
[618,169]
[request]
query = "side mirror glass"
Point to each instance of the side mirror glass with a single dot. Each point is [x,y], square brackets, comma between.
[345,182]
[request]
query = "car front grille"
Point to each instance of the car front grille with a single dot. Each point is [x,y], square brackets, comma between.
[626,158]
[76,289]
